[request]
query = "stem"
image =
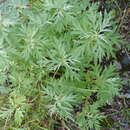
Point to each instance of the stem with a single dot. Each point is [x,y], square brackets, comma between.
[64,125]
[6,123]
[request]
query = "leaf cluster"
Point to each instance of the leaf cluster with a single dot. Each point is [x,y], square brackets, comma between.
[51,53]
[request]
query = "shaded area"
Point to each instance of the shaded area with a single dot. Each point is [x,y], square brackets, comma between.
[119,113]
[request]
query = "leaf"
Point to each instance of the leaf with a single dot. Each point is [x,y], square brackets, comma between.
[18,116]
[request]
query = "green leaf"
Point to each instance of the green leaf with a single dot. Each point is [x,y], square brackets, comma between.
[18,116]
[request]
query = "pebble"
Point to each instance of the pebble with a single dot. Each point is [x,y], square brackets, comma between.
[125,60]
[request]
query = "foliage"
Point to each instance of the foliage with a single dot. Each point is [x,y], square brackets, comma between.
[51,54]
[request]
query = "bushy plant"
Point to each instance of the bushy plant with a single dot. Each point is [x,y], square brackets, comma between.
[51,54]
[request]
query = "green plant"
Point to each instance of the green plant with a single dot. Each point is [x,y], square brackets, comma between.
[51,54]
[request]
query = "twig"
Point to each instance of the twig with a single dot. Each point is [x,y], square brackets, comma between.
[122,18]
[6,123]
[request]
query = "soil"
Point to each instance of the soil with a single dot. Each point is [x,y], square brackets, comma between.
[119,112]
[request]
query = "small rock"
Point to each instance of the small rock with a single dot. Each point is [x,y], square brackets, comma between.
[128,96]
[128,91]
[126,81]
[125,60]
